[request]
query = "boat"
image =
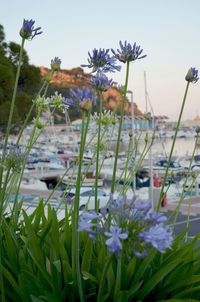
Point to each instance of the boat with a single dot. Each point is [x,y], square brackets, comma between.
[87,180]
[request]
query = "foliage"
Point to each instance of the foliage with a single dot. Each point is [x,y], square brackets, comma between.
[32,271]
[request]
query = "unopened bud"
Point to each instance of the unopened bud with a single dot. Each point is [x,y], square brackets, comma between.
[86,105]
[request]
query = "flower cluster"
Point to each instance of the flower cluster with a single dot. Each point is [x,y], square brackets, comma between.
[84,96]
[56,101]
[128,52]
[133,221]
[107,118]
[100,60]
[28,32]
[41,103]
[100,82]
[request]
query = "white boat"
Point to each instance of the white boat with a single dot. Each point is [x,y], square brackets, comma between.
[87,181]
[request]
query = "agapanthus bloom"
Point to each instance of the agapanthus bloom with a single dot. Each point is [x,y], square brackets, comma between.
[159,237]
[128,52]
[55,64]
[56,101]
[68,102]
[100,60]
[41,103]
[192,75]
[84,96]
[107,117]
[86,224]
[133,220]
[28,31]
[113,242]
[100,82]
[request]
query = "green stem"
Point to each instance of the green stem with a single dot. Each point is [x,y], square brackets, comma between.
[75,235]
[185,182]
[173,144]
[118,277]
[97,156]
[126,164]
[13,98]
[120,129]
[28,115]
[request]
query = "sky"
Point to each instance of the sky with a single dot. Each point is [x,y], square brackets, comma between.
[166,30]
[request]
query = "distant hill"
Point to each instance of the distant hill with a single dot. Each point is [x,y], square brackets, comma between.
[76,77]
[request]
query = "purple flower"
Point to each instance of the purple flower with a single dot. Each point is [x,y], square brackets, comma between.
[192,75]
[158,236]
[128,52]
[84,96]
[155,217]
[68,102]
[113,242]
[85,224]
[55,64]
[116,205]
[100,82]
[28,31]
[139,209]
[100,60]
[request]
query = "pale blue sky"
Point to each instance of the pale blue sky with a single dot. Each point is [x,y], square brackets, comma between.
[167,30]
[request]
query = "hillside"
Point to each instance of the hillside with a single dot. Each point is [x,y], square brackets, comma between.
[77,78]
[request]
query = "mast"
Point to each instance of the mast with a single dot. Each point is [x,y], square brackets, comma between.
[148,125]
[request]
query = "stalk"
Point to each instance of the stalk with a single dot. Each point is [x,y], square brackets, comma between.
[28,115]
[75,235]
[97,156]
[120,129]
[13,99]
[173,144]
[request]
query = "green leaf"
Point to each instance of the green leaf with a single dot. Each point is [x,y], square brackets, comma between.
[87,256]
[156,278]
[110,278]
[88,276]
[32,239]
[36,299]
[122,296]
[179,300]
[131,270]
[187,292]
[181,284]
[9,276]
[144,264]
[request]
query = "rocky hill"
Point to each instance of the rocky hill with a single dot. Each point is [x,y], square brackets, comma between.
[77,78]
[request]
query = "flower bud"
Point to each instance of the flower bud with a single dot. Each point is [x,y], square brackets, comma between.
[86,105]
[192,75]
[55,64]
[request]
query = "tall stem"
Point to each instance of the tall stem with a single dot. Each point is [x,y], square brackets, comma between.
[75,235]
[29,114]
[173,144]
[97,156]
[120,129]
[13,98]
